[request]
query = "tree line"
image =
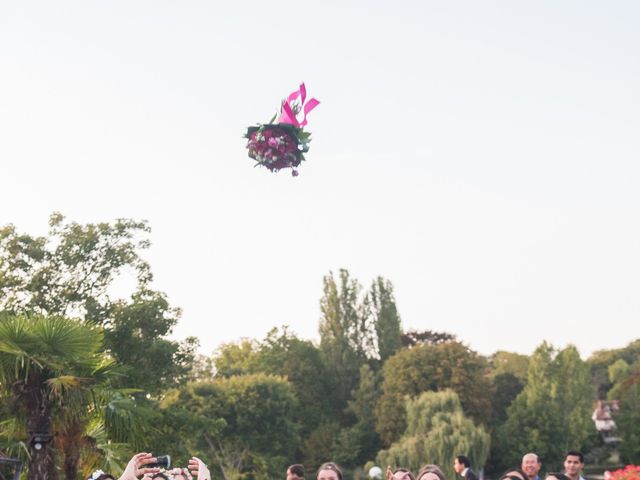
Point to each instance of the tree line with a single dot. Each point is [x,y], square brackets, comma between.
[86,377]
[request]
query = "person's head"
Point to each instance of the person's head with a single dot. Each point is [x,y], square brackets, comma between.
[573,463]
[531,465]
[100,475]
[295,472]
[430,472]
[556,476]
[181,474]
[159,476]
[513,474]
[460,463]
[329,471]
[402,474]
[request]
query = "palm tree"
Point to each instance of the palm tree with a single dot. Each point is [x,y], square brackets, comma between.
[47,364]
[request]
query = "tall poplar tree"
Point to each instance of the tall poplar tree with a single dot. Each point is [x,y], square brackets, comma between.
[346,333]
[385,317]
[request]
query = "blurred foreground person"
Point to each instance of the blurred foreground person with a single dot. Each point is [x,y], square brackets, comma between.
[100,475]
[399,474]
[178,473]
[329,471]
[514,474]
[556,476]
[430,472]
[295,472]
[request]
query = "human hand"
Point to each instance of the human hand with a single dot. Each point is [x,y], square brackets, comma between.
[136,466]
[199,469]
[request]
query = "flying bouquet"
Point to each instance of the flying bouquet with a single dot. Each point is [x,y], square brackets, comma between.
[283,144]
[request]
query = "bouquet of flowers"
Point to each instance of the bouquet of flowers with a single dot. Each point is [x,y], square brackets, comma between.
[283,144]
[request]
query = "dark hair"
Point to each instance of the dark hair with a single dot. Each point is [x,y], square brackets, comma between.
[519,471]
[297,469]
[330,466]
[404,470]
[575,453]
[159,475]
[464,460]
[436,470]
[558,475]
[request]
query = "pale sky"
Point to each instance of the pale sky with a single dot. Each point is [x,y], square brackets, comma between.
[481,155]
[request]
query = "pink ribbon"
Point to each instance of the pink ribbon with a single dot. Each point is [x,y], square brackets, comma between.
[287,115]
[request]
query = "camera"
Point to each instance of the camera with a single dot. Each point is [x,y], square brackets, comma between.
[162,461]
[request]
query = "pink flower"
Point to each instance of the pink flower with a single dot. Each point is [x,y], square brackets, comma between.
[273,142]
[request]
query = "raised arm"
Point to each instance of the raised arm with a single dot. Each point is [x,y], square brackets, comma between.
[199,469]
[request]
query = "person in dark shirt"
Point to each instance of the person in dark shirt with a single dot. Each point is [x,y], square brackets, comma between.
[462,466]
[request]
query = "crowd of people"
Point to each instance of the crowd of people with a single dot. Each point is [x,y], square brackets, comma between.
[145,466]
[529,469]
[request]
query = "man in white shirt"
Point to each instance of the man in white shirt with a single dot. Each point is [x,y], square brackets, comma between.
[573,465]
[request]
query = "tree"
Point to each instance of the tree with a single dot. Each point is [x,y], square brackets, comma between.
[410,372]
[235,358]
[413,338]
[509,375]
[320,444]
[600,361]
[346,334]
[437,430]
[72,271]
[510,363]
[283,354]
[69,272]
[360,442]
[506,387]
[256,435]
[626,388]
[136,335]
[44,362]
[552,414]
[386,319]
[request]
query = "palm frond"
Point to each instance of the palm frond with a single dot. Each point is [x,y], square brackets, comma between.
[63,383]
[107,455]
[67,340]
[126,421]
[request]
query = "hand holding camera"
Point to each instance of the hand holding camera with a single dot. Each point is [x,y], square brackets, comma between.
[140,464]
